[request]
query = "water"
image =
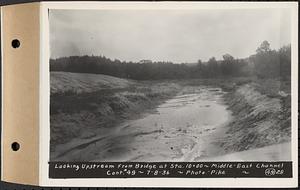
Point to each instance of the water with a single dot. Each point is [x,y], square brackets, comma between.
[179,130]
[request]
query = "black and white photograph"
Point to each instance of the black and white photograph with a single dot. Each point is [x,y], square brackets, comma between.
[170,85]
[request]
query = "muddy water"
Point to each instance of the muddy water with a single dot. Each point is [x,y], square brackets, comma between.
[178,130]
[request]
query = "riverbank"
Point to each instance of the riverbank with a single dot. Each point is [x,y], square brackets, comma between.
[276,152]
[89,118]
[261,112]
[84,105]
[177,130]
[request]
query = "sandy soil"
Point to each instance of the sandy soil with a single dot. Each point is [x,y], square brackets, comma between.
[178,130]
[277,152]
[187,121]
[259,120]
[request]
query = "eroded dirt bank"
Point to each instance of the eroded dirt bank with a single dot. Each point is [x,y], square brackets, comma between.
[84,105]
[178,130]
[258,120]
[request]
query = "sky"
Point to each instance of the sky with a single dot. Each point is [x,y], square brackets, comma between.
[179,36]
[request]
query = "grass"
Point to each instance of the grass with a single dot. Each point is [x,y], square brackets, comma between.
[73,112]
[273,87]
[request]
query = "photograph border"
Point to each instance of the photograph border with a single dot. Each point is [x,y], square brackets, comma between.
[159,182]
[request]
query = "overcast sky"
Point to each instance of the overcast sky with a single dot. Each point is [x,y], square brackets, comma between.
[166,35]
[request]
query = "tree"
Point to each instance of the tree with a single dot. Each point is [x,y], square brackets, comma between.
[264,47]
[266,61]
[212,67]
[227,65]
[228,57]
[199,66]
[285,61]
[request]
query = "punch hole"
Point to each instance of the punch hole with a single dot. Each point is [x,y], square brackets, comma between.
[15,146]
[15,43]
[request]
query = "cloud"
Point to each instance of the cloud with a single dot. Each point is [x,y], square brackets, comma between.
[169,35]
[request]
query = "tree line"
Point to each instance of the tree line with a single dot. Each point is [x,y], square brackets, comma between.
[266,63]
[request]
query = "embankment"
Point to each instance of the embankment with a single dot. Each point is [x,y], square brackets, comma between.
[84,105]
[259,118]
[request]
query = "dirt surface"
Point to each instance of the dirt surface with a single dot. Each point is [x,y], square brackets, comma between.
[259,120]
[85,114]
[167,120]
[179,130]
[277,152]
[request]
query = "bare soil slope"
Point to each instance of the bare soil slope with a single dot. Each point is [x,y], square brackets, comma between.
[83,105]
[259,119]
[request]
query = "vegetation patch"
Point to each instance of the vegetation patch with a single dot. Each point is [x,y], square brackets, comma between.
[75,113]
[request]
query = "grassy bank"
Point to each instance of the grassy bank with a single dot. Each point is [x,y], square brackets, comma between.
[261,112]
[82,113]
